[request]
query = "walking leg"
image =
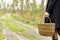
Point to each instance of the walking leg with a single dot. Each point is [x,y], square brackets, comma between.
[55,36]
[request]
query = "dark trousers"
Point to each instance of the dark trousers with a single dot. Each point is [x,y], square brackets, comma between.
[55,36]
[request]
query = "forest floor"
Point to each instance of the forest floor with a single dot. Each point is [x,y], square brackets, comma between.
[30,32]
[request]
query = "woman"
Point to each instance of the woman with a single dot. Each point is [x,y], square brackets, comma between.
[53,11]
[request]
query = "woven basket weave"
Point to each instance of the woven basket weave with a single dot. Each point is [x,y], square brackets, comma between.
[46,29]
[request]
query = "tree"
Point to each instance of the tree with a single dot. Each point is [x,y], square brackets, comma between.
[16,4]
[21,5]
[41,11]
[34,9]
[34,6]
[3,6]
[27,6]
[0,5]
[28,9]
[7,8]
[42,6]
[13,6]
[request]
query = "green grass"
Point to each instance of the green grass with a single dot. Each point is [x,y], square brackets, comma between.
[30,37]
[12,26]
[26,35]
[1,36]
[21,19]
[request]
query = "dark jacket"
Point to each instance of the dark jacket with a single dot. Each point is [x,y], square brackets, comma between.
[53,8]
[50,5]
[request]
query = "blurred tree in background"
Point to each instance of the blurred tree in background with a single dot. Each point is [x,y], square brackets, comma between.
[29,10]
[34,9]
[26,14]
[21,6]
[41,11]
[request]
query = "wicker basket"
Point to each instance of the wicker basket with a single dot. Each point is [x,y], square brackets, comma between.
[46,29]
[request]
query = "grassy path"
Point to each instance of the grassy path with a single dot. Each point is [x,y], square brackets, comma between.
[1,28]
[16,30]
[29,31]
[13,27]
[9,33]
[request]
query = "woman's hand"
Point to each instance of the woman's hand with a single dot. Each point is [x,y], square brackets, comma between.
[46,14]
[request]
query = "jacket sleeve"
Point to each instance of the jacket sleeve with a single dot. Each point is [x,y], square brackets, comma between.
[50,5]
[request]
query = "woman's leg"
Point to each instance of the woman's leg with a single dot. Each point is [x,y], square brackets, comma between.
[58,32]
[55,36]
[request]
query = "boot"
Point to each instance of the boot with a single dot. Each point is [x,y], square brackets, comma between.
[55,36]
[58,32]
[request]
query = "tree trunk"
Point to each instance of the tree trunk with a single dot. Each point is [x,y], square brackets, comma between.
[21,5]
[13,6]
[42,12]
[34,9]
[27,10]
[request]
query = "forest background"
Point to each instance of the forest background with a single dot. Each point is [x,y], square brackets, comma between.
[21,17]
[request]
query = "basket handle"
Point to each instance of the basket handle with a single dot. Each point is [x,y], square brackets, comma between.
[49,19]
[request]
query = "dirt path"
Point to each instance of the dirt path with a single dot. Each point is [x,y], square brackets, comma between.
[10,35]
[31,30]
